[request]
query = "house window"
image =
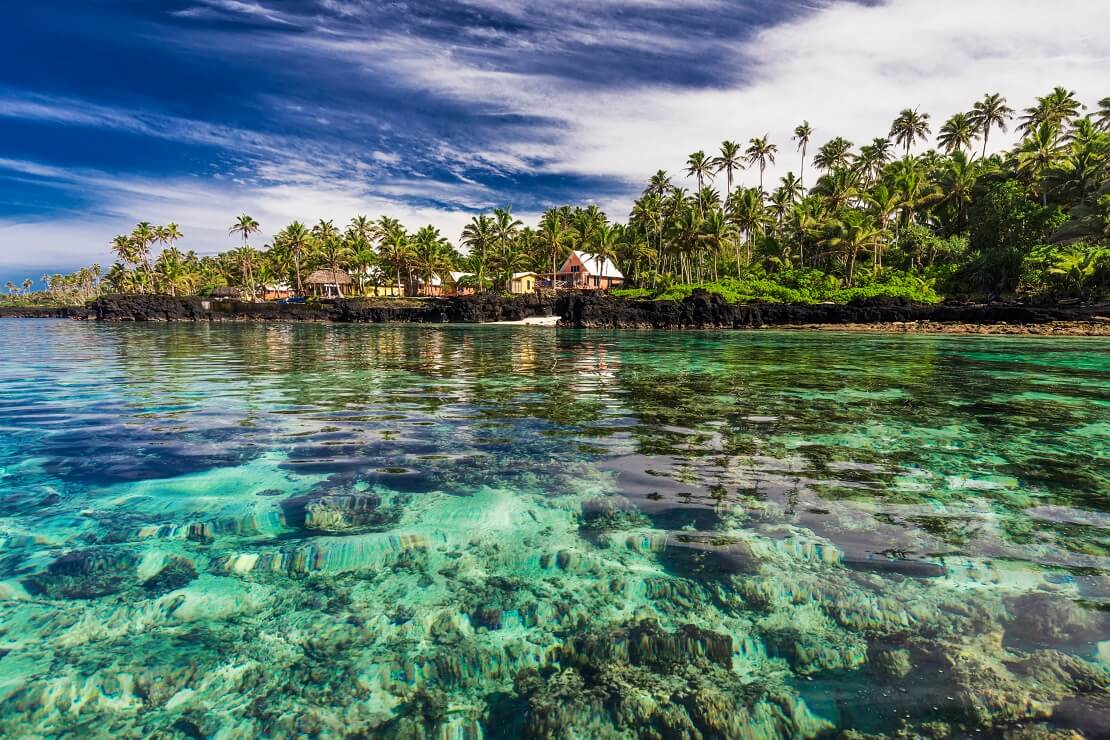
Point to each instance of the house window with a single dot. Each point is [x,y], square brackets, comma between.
[574,268]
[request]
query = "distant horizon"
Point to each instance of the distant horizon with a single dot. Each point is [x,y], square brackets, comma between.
[288,110]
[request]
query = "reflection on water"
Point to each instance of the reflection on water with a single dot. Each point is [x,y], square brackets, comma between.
[500,532]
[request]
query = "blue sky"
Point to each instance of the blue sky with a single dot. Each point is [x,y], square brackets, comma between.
[196,110]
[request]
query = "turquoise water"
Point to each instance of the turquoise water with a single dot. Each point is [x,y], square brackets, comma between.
[393,531]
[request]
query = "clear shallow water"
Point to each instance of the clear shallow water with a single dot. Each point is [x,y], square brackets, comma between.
[253,530]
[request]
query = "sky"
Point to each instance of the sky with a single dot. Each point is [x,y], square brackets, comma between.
[194,111]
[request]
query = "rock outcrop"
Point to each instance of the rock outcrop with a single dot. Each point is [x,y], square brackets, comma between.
[703,310]
[462,309]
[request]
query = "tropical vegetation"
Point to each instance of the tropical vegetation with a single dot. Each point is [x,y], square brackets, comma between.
[892,217]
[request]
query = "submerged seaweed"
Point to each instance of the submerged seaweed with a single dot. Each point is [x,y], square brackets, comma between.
[464,532]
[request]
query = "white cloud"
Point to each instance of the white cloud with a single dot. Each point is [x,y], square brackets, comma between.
[204,209]
[846,67]
[849,69]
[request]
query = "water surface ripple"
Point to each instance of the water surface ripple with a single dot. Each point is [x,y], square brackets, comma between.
[406,531]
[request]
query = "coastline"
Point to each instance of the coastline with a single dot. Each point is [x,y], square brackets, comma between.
[585,310]
[1050,329]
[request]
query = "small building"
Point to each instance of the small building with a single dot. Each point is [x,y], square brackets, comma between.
[458,284]
[277,291]
[522,283]
[446,284]
[378,291]
[326,283]
[585,271]
[227,293]
[374,281]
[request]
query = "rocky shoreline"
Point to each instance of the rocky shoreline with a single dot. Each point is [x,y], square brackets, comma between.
[707,311]
[585,310]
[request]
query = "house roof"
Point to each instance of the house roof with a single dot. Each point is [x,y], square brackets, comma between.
[591,264]
[521,274]
[457,276]
[328,277]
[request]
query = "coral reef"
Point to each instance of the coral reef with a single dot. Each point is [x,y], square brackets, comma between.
[414,532]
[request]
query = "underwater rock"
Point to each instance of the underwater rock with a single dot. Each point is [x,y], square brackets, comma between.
[639,680]
[610,514]
[912,567]
[1042,619]
[895,663]
[340,513]
[175,573]
[84,574]
[998,689]
[89,574]
[27,502]
[646,643]
[708,556]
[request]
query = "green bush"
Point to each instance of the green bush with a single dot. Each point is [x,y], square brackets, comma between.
[799,286]
[1056,271]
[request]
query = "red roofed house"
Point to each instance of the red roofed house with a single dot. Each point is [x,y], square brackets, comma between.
[585,271]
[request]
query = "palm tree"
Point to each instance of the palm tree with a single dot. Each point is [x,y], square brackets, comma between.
[362,228]
[834,154]
[143,236]
[660,183]
[908,127]
[958,184]
[957,133]
[873,158]
[700,167]
[1039,153]
[718,233]
[884,202]
[395,247]
[505,228]
[840,187]
[1056,108]
[648,212]
[605,248]
[912,182]
[336,254]
[729,161]
[297,238]
[431,253]
[554,234]
[802,134]
[761,151]
[791,187]
[244,226]
[855,232]
[988,113]
[586,222]
[363,260]
[746,210]
[1102,116]
[478,237]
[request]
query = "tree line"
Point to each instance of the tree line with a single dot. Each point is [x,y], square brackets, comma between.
[905,214]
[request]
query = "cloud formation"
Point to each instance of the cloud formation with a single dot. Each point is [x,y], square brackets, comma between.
[429,111]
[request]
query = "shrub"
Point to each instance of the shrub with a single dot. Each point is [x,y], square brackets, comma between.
[1057,271]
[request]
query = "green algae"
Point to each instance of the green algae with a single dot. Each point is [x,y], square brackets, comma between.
[247,531]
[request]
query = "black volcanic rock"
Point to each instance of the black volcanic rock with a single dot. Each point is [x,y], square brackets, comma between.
[703,310]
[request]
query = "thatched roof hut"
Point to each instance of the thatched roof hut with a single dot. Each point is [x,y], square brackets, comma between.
[228,292]
[325,282]
[328,277]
